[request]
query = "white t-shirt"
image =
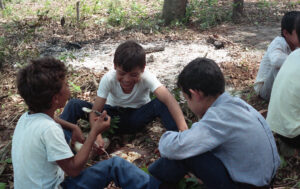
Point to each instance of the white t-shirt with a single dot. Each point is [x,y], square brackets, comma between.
[110,89]
[276,54]
[284,107]
[38,142]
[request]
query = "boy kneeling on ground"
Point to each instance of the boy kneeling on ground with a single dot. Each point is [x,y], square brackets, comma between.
[40,153]
[231,146]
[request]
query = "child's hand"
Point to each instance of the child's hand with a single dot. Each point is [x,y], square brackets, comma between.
[101,123]
[77,136]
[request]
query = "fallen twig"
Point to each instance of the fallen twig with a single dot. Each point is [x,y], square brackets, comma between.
[2,97]
[154,49]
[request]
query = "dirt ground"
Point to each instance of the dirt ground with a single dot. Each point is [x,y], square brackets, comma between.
[244,46]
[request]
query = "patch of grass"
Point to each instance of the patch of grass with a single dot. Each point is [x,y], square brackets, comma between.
[66,56]
[207,13]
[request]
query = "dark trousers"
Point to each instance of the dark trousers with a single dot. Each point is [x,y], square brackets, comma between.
[123,173]
[131,119]
[292,142]
[206,167]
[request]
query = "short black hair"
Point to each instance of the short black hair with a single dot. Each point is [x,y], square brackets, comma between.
[130,55]
[297,26]
[288,21]
[202,74]
[39,81]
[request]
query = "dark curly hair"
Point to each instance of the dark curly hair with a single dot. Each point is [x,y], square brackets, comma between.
[130,55]
[39,81]
[202,74]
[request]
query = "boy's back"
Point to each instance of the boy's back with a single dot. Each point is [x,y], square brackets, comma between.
[276,54]
[235,133]
[37,142]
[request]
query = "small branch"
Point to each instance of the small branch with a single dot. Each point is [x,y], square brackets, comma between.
[154,49]
[2,97]
[1,4]
[77,11]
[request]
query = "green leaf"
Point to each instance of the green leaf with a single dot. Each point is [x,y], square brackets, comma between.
[8,160]
[145,169]
[2,185]
[283,163]
[181,184]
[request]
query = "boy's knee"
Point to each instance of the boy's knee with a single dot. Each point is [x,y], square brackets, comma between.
[116,160]
[73,102]
[159,104]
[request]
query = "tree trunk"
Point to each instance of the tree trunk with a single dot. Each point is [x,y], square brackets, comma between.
[173,9]
[1,4]
[237,12]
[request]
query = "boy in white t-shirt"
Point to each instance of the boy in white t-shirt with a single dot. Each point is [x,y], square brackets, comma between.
[40,152]
[276,54]
[125,92]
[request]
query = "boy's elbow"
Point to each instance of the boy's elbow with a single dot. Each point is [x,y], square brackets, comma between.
[73,173]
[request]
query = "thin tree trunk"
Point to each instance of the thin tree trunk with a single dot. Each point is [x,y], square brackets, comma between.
[77,11]
[237,12]
[1,4]
[173,9]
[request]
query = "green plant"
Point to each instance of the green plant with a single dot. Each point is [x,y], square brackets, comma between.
[2,50]
[8,160]
[206,13]
[2,185]
[75,89]
[263,4]
[113,126]
[65,56]
[7,11]
[283,163]
[145,169]
[189,183]
[176,94]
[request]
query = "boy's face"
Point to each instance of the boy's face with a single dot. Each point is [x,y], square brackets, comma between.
[128,79]
[63,95]
[193,104]
[292,39]
[196,103]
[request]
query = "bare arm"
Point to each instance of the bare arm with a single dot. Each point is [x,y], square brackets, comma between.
[76,131]
[74,165]
[163,94]
[98,105]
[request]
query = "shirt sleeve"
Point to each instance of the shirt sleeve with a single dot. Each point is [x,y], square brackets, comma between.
[56,145]
[104,86]
[151,81]
[277,54]
[205,135]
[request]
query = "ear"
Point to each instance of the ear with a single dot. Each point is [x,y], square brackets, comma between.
[143,68]
[196,94]
[285,32]
[55,100]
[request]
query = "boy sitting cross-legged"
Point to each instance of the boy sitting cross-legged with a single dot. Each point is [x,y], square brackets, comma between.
[40,152]
[231,146]
[125,92]
[277,52]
